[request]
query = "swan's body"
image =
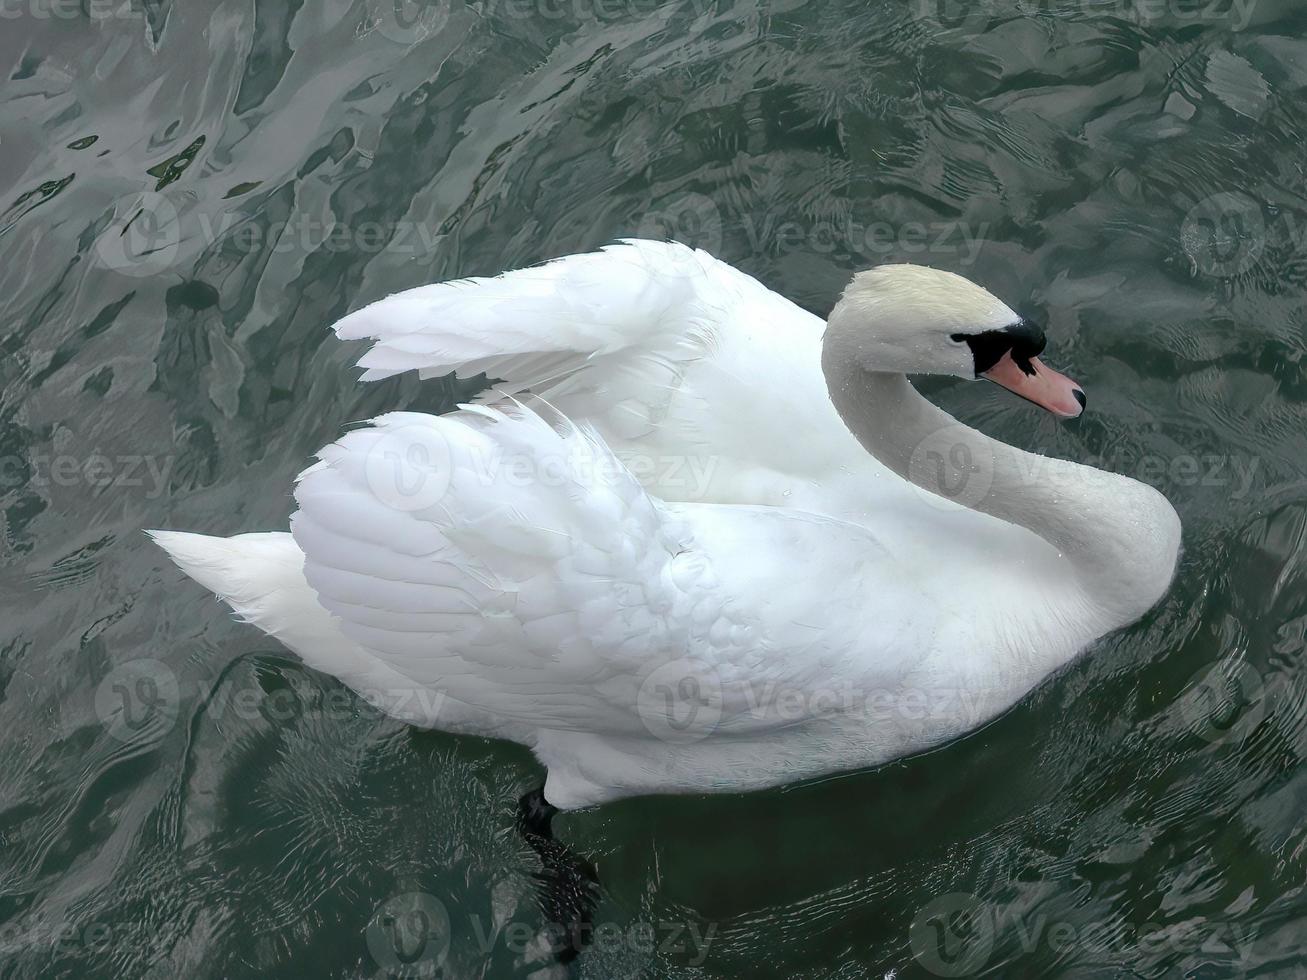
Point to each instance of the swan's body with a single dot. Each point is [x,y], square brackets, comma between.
[740,572]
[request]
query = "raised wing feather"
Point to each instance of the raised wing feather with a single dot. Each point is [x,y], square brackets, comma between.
[538,326]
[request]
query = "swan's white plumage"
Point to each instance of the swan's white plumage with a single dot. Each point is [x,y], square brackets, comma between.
[547,603]
[504,571]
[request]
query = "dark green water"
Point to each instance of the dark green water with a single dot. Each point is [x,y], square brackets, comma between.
[193,191]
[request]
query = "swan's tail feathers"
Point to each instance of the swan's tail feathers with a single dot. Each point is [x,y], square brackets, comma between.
[249,572]
[535,328]
[261,576]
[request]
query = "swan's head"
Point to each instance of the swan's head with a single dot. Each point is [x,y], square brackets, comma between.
[914,320]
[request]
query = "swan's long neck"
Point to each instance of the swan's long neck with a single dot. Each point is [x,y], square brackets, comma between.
[1120,537]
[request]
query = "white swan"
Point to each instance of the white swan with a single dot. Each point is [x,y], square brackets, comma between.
[756,555]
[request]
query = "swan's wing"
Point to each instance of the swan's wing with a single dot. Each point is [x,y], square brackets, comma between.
[522,570]
[536,327]
[704,381]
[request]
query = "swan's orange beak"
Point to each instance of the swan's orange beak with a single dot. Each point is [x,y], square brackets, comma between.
[1041,384]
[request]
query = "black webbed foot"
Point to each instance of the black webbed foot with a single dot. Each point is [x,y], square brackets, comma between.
[569,888]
